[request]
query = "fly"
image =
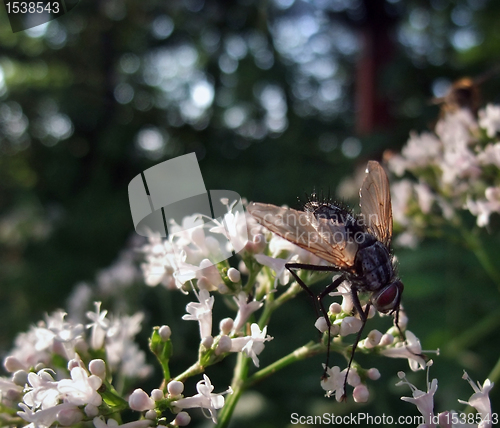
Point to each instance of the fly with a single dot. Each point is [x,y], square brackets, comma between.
[357,246]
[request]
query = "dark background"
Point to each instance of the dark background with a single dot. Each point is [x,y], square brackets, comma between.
[276,98]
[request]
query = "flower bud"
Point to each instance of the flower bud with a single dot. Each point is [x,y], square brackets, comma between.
[157,394]
[373,339]
[91,411]
[353,378]
[140,401]
[386,339]
[69,417]
[224,345]
[321,324]
[207,342]
[20,377]
[175,388]
[361,394]
[234,275]
[164,332]
[151,415]
[182,419]
[12,364]
[335,308]
[373,374]
[98,367]
[226,325]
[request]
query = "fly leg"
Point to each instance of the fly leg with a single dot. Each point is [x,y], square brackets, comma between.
[364,317]
[318,300]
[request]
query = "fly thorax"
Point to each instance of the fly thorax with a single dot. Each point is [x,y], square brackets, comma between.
[373,264]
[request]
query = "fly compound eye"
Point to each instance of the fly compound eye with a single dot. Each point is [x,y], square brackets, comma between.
[388,298]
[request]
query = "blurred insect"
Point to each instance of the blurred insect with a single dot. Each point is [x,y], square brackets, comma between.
[357,246]
[464,93]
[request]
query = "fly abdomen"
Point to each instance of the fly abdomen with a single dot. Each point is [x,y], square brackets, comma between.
[374,266]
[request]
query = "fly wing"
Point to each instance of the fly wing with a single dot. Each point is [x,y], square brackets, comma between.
[324,238]
[375,203]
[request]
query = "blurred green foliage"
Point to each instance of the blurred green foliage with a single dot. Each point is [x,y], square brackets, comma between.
[264,93]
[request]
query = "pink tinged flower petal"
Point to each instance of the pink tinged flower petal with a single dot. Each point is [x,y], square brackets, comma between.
[205,399]
[411,350]
[139,400]
[361,394]
[277,265]
[252,345]
[423,400]
[245,309]
[69,416]
[201,312]
[334,383]
[45,417]
[480,400]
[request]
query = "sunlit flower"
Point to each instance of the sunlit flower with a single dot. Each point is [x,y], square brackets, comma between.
[205,399]
[423,400]
[245,309]
[99,326]
[410,349]
[251,345]
[201,312]
[334,383]
[480,400]
[81,389]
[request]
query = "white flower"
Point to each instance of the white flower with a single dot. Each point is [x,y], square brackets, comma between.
[44,392]
[44,417]
[489,119]
[245,309]
[334,383]
[350,325]
[251,345]
[410,349]
[423,400]
[201,312]
[204,399]
[81,389]
[344,290]
[99,325]
[277,265]
[480,400]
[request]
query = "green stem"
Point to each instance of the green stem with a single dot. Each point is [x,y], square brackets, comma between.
[195,369]
[238,386]
[301,353]
[495,373]
[271,305]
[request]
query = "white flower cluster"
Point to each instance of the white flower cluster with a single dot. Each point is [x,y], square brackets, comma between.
[457,167]
[56,349]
